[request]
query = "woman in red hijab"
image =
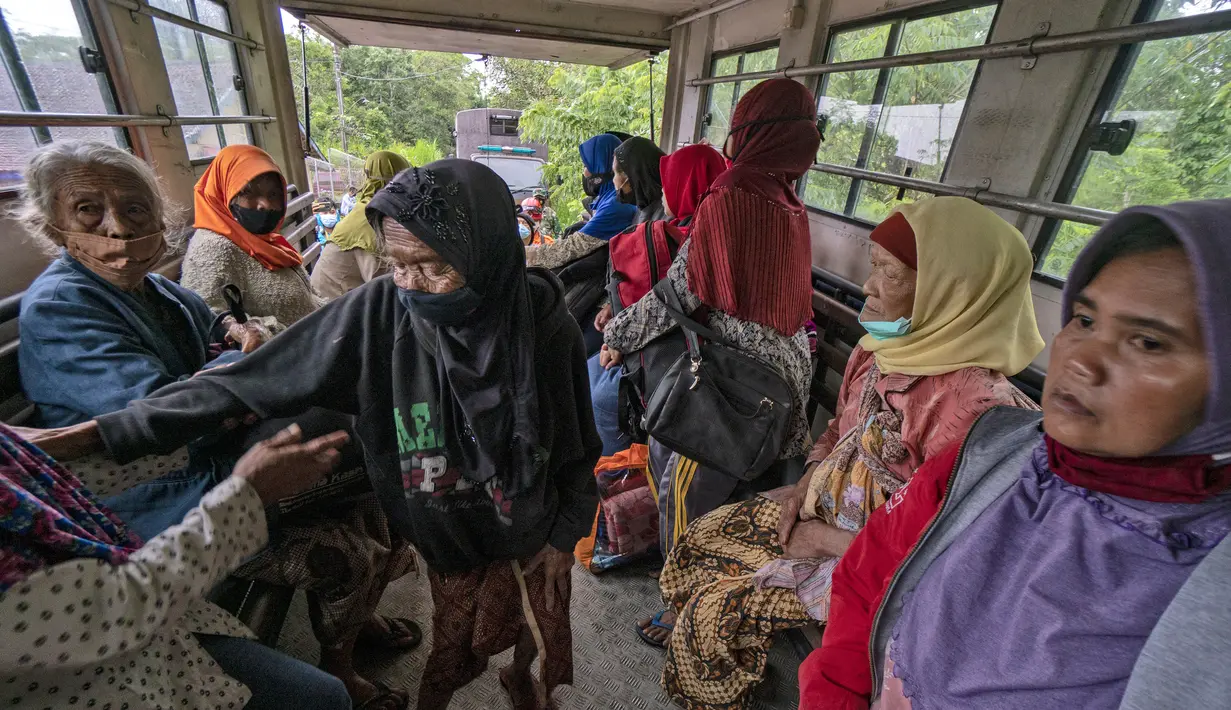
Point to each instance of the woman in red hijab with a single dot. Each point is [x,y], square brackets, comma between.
[687,174]
[747,267]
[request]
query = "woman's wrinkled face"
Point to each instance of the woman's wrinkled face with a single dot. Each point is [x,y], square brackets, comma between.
[890,289]
[415,265]
[264,192]
[105,201]
[1128,372]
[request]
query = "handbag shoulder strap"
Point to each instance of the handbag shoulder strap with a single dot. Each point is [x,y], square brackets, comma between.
[671,300]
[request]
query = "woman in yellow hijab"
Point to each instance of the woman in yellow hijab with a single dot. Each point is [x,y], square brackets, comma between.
[949,318]
[348,259]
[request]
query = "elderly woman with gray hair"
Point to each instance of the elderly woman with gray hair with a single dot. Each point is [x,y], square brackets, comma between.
[99,330]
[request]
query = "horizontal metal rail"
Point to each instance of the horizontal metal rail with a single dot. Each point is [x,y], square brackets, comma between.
[711,10]
[1026,205]
[145,9]
[1028,47]
[29,118]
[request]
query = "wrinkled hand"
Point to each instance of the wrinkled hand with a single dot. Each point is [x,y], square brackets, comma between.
[793,504]
[281,466]
[248,336]
[558,568]
[609,358]
[813,538]
[65,443]
[605,314]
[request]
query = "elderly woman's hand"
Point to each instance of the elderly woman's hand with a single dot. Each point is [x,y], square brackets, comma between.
[793,504]
[558,566]
[281,466]
[248,336]
[65,443]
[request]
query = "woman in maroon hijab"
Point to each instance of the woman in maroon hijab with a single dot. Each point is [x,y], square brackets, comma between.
[747,267]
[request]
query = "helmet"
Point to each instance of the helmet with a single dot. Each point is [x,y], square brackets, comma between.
[532,207]
[540,194]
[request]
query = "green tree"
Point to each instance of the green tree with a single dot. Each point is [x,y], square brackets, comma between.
[518,83]
[585,101]
[390,96]
[419,153]
[1179,93]
[60,48]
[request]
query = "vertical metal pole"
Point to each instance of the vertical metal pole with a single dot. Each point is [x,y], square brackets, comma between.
[21,80]
[653,139]
[337,80]
[876,109]
[307,107]
[207,71]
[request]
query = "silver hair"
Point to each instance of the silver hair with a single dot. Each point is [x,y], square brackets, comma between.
[36,209]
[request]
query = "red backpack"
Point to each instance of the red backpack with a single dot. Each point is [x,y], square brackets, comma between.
[640,257]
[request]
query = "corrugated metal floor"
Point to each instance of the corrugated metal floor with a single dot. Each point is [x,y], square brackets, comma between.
[612,668]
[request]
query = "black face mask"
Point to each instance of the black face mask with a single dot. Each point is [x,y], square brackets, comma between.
[626,198]
[257,221]
[591,185]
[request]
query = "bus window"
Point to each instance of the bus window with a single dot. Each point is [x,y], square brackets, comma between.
[47,35]
[520,174]
[502,124]
[1176,91]
[723,97]
[204,72]
[893,120]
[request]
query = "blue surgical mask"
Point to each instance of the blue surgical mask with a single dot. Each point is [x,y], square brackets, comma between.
[524,230]
[885,329]
[443,309]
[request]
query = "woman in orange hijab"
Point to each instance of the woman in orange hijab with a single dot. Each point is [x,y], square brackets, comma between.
[239,203]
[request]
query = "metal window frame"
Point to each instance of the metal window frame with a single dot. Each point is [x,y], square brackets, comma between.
[1075,170]
[742,53]
[138,7]
[207,71]
[897,22]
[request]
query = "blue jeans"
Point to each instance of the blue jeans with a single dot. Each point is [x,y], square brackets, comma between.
[277,681]
[153,506]
[605,398]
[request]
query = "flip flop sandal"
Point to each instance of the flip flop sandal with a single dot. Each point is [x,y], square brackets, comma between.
[381,699]
[656,622]
[410,637]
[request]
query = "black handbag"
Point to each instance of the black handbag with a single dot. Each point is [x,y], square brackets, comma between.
[717,405]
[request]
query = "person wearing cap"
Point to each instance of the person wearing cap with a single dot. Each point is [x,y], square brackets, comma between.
[949,318]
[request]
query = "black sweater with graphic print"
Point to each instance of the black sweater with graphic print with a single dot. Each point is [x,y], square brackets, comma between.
[345,357]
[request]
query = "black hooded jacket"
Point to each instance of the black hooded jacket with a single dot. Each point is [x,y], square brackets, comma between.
[341,358]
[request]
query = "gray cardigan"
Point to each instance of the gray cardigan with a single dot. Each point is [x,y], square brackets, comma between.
[279,298]
[1183,663]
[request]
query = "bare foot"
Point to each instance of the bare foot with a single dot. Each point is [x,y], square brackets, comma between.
[367,695]
[364,693]
[657,634]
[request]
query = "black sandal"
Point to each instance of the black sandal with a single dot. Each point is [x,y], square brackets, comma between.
[401,635]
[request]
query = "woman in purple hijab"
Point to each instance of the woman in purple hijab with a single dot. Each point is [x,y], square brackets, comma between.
[1080,560]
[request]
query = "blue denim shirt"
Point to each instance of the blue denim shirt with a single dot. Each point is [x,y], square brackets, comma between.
[88,348]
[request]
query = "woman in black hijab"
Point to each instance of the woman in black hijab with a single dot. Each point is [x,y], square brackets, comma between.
[637,179]
[467,378]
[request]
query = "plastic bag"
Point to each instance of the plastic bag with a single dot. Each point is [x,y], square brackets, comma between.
[626,527]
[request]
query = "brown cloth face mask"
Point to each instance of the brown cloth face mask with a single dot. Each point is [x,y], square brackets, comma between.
[122,262]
